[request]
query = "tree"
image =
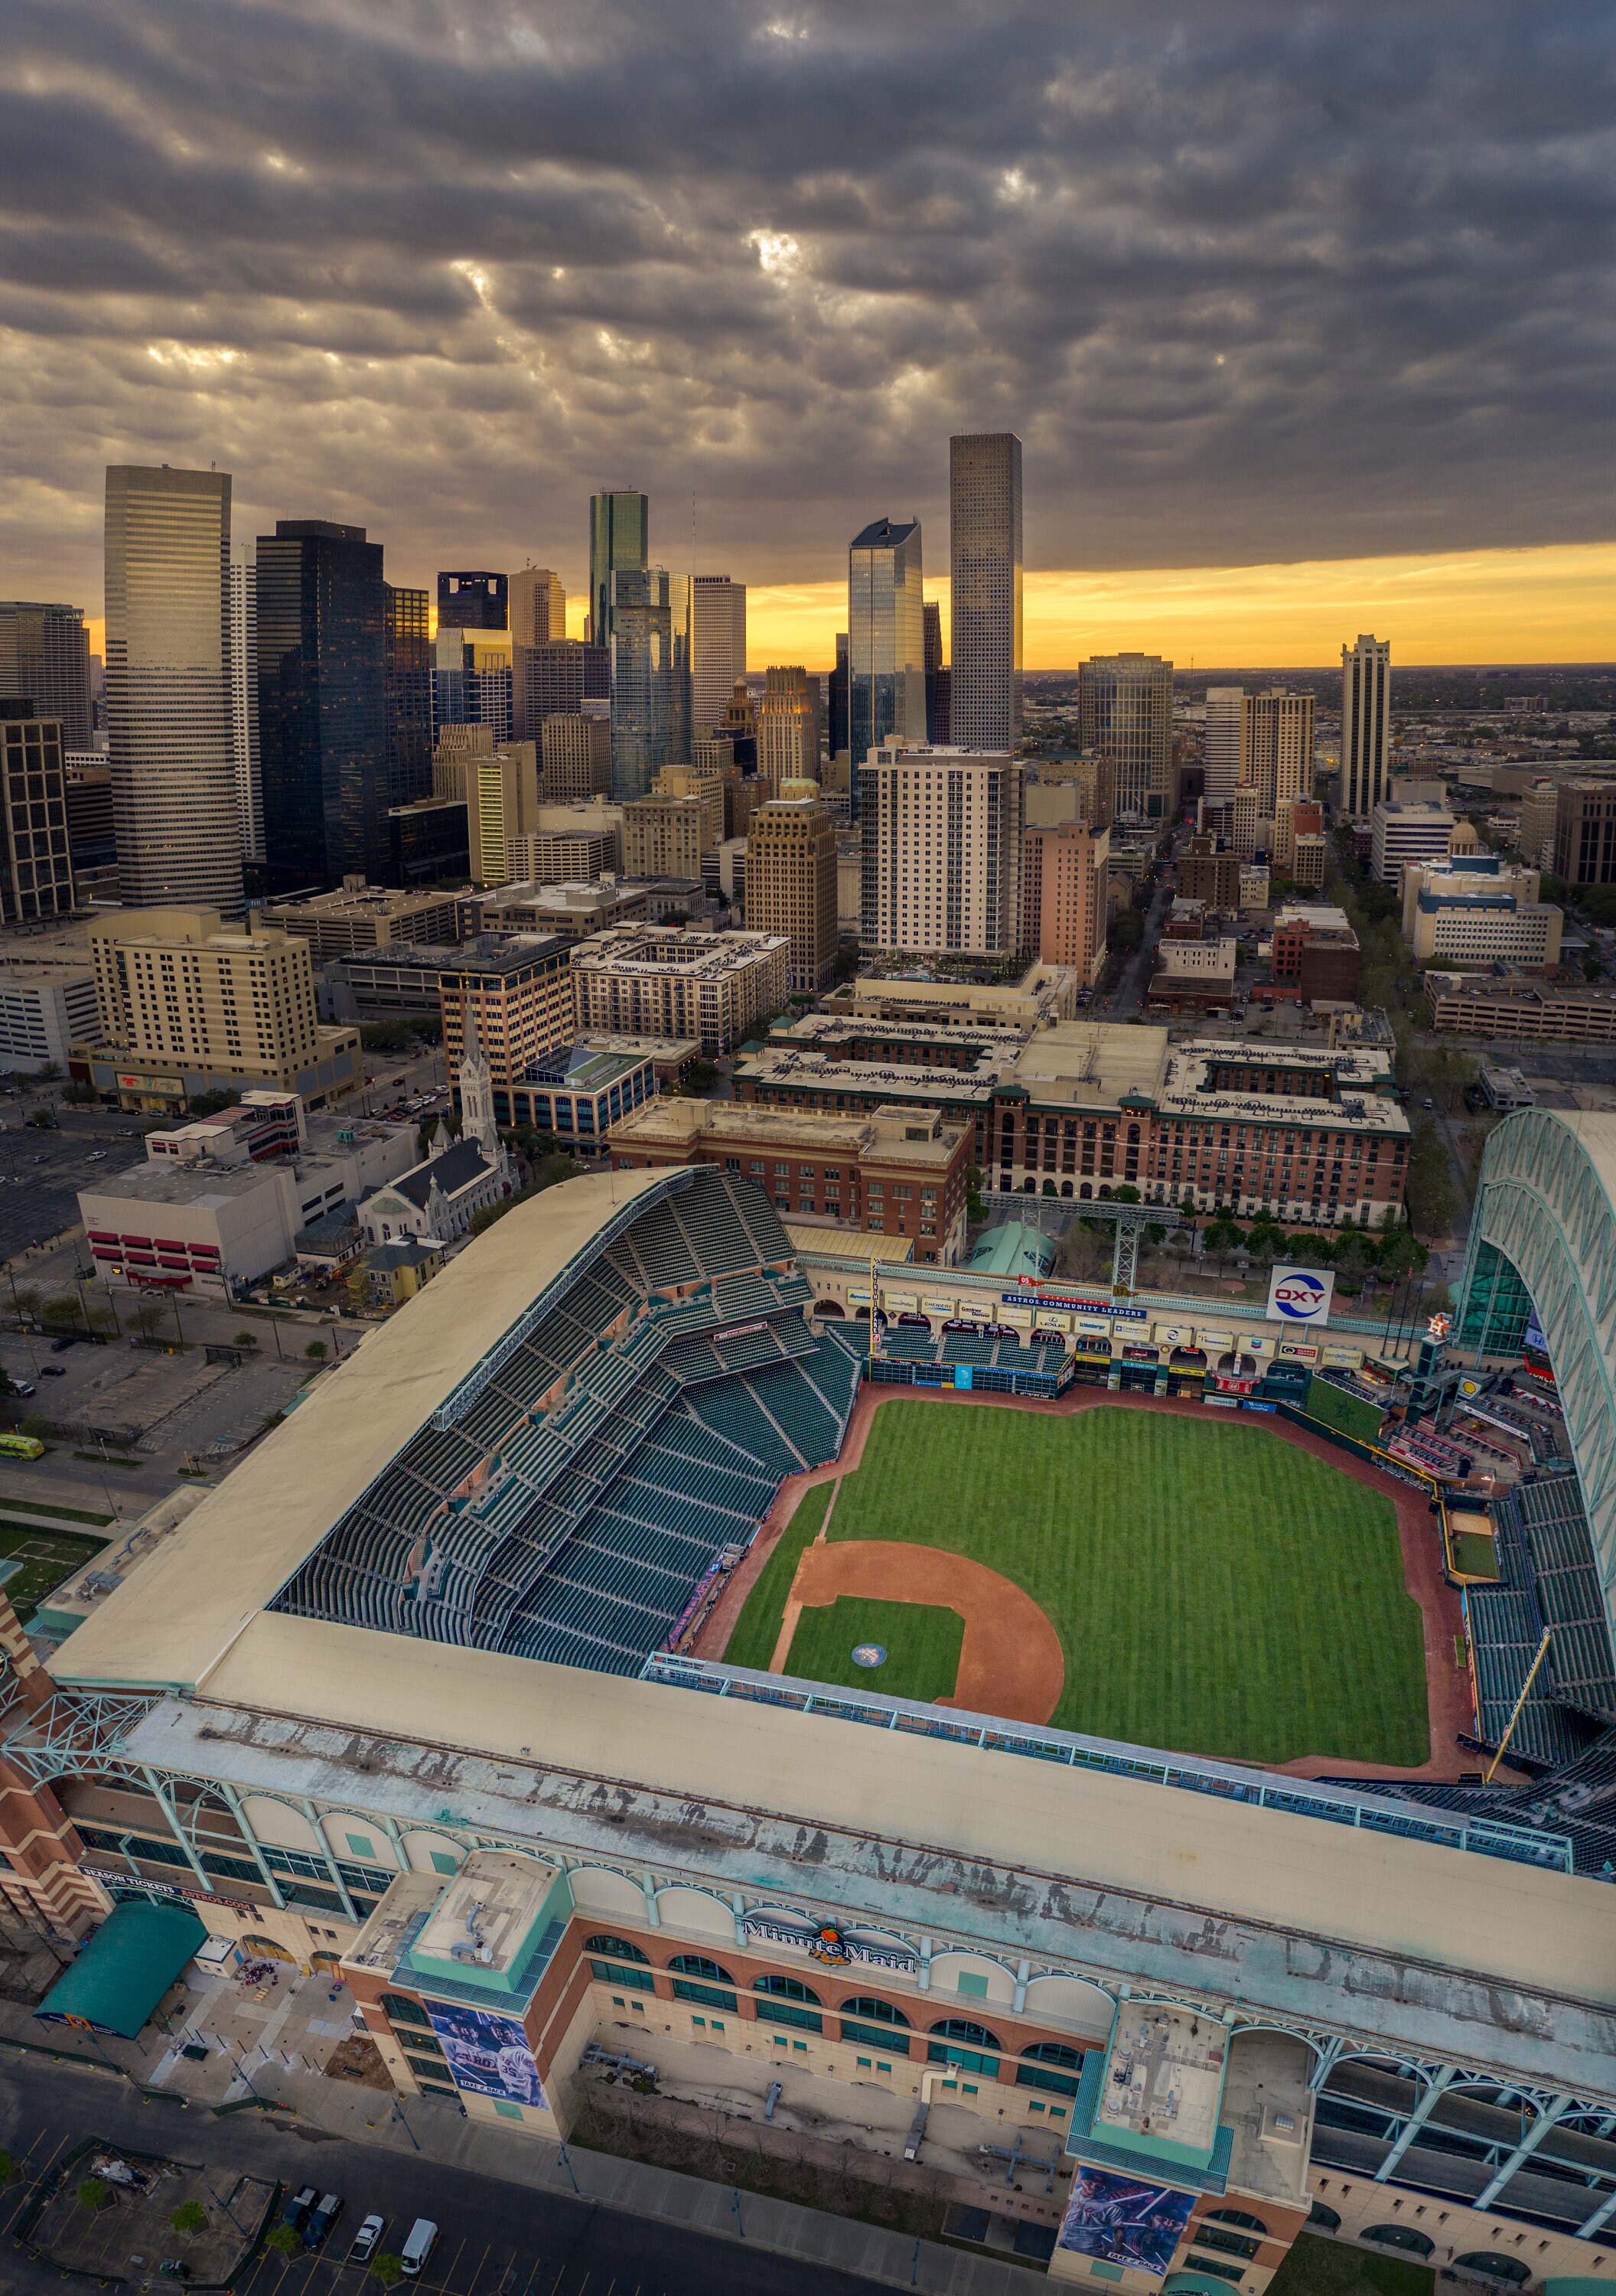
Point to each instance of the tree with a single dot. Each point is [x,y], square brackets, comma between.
[387,2270]
[147,1315]
[190,2216]
[94,2193]
[316,1351]
[8,2168]
[245,1339]
[283,2240]
[1430,1186]
[81,1095]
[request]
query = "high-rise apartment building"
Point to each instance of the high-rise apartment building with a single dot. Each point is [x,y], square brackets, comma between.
[558,678]
[323,733]
[941,853]
[473,602]
[168,717]
[1540,818]
[1063,897]
[788,728]
[538,617]
[644,697]
[1584,833]
[937,681]
[575,755]
[1366,725]
[885,642]
[791,879]
[718,646]
[619,540]
[1225,708]
[1125,709]
[36,858]
[244,699]
[406,651]
[986,578]
[1278,748]
[45,659]
[1092,779]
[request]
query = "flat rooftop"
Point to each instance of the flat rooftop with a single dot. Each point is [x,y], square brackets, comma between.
[817,1072]
[1165,2075]
[1356,1106]
[1090,1063]
[654,948]
[676,1123]
[486,1915]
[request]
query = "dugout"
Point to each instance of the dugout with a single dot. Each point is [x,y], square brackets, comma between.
[1186,1370]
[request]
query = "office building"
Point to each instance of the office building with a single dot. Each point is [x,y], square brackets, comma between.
[580,1090]
[1278,748]
[515,996]
[473,682]
[1314,946]
[704,785]
[836,734]
[92,845]
[538,619]
[36,859]
[44,1011]
[1517,1008]
[244,699]
[322,703]
[570,909]
[1193,976]
[1400,834]
[985,578]
[788,728]
[427,840]
[169,710]
[641,980]
[1539,820]
[1476,909]
[937,685]
[570,844]
[1062,896]
[718,646]
[558,678]
[645,697]
[1366,727]
[358,916]
[473,602]
[1125,711]
[1584,833]
[1204,871]
[791,879]
[501,806]
[665,836]
[406,654]
[45,659]
[1225,741]
[885,642]
[575,755]
[1310,857]
[190,1006]
[1091,776]
[619,538]
[942,851]
[1249,833]
[1295,818]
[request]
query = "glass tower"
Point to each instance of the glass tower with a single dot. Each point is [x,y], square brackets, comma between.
[619,538]
[407,657]
[473,602]
[886,641]
[644,696]
[168,701]
[985,572]
[45,659]
[1366,725]
[244,699]
[1125,712]
[323,733]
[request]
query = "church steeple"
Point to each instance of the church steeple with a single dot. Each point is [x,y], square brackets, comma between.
[477,1093]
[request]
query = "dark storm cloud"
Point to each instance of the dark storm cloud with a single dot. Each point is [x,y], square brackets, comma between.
[1253,282]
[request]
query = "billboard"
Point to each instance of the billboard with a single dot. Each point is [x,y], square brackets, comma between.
[1121,2220]
[488,2055]
[1300,1295]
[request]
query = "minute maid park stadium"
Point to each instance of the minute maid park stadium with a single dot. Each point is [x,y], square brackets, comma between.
[407,1696]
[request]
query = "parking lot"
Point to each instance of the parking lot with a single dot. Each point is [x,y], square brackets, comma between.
[42,1172]
[172,1402]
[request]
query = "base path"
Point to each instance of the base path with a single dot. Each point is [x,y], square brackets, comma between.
[1010,1663]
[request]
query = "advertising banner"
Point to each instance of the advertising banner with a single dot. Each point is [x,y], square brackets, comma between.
[1121,2220]
[1300,1295]
[488,2055]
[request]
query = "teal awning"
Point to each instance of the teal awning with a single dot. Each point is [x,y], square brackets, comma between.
[124,1969]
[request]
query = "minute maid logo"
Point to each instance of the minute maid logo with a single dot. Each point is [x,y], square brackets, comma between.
[1300,1295]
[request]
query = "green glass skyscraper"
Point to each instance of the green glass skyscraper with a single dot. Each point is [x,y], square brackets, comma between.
[619,535]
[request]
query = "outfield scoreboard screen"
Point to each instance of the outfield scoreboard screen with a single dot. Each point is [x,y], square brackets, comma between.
[1534,1352]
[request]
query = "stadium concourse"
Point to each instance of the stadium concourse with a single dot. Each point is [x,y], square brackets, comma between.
[404,1693]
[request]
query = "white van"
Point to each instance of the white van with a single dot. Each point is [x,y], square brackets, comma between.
[419,2247]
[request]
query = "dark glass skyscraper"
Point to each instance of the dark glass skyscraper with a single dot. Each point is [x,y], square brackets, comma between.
[619,538]
[45,655]
[936,679]
[645,702]
[836,701]
[407,653]
[886,640]
[473,602]
[322,719]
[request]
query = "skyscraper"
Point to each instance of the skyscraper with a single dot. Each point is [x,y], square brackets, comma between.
[1366,724]
[1125,709]
[718,645]
[322,703]
[681,641]
[1063,897]
[835,714]
[559,677]
[1225,741]
[619,538]
[45,659]
[538,617]
[244,699]
[640,647]
[168,713]
[886,641]
[473,602]
[788,729]
[985,575]
[1278,748]
[791,879]
[937,680]
[35,855]
[941,851]
[407,659]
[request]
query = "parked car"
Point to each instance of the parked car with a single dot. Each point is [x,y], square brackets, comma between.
[60,1346]
[367,2240]
[297,2206]
[419,2247]
[53,1371]
[23,1386]
[321,2219]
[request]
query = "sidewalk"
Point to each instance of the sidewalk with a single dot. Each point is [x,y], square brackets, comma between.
[443,2133]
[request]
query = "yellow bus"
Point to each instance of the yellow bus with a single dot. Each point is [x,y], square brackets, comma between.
[21,1447]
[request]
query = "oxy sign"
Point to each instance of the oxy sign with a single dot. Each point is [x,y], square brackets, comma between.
[1300,1295]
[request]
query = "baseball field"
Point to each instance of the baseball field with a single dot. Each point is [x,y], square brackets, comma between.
[1135,1574]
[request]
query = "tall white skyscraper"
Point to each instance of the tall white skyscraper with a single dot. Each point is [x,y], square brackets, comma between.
[244,697]
[986,576]
[939,850]
[718,645]
[174,808]
[1366,724]
[1225,741]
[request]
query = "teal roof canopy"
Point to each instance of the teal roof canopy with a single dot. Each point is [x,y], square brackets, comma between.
[1015,1248]
[126,1966]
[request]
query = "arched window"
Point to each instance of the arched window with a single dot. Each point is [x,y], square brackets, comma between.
[698,1979]
[880,2012]
[614,1948]
[697,1964]
[1054,2052]
[1391,2235]
[789,1989]
[1325,2218]
[777,2003]
[960,2029]
[1241,2217]
[402,2011]
[1498,2268]
[1040,2073]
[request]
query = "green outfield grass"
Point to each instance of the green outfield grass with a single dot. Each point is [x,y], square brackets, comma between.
[757,1629]
[922,1643]
[1216,1590]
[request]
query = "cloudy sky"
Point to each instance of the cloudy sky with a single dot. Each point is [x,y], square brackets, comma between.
[1258,284]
